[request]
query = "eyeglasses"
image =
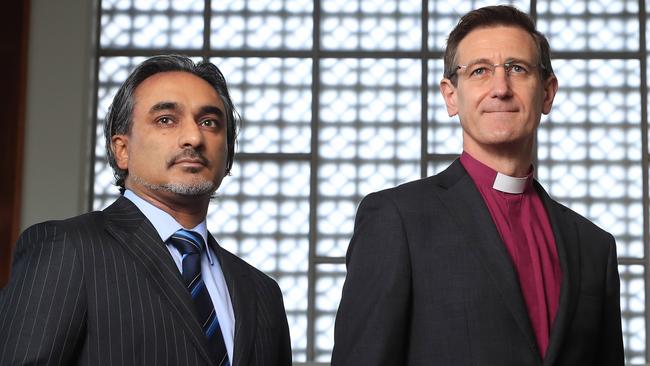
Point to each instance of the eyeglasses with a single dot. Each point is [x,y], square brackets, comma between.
[483,71]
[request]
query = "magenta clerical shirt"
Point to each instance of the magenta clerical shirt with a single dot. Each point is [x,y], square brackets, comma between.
[526,232]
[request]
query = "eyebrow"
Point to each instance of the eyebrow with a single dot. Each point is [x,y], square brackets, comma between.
[487,61]
[173,106]
[211,109]
[478,61]
[165,106]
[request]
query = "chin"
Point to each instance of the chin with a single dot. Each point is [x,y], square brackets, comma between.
[191,189]
[509,142]
[197,187]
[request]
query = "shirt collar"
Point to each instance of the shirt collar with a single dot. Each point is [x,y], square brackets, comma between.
[488,177]
[163,222]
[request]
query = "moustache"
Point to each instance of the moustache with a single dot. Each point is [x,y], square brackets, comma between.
[188,153]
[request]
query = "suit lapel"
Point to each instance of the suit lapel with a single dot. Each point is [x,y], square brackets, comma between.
[243,296]
[568,248]
[139,238]
[466,205]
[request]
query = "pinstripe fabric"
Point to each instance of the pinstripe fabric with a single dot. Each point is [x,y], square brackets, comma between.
[101,289]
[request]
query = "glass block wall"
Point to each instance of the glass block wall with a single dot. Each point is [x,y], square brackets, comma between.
[340,98]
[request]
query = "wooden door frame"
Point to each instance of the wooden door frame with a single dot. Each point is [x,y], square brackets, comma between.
[14,40]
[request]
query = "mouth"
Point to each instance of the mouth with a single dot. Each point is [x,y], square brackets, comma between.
[189,159]
[501,111]
[189,162]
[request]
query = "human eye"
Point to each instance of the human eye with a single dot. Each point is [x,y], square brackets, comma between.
[212,123]
[518,68]
[478,71]
[164,120]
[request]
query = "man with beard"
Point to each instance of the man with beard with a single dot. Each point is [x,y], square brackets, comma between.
[143,282]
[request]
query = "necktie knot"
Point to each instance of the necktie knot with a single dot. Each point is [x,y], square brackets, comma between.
[187,242]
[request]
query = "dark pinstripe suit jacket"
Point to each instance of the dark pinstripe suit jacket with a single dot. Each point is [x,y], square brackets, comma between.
[102,289]
[430,282]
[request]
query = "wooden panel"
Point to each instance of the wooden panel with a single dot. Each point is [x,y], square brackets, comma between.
[14,29]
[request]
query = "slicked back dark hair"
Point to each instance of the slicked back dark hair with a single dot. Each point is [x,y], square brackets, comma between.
[493,16]
[119,119]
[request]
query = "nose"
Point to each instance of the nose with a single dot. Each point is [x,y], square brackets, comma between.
[190,134]
[500,83]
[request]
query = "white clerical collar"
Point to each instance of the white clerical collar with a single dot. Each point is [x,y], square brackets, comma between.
[508,184]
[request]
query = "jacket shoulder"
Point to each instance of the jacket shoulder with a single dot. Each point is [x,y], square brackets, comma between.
[75,222]
[567,214]
[52,230]
[423,187]
[410,195]
[584,224]
[409,188]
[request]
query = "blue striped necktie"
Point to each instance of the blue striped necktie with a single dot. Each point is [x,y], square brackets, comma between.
[190,244]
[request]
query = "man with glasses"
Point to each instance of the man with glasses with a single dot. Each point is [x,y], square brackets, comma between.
[478,265]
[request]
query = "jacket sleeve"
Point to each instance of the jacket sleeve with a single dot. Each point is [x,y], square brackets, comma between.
[373,317]
[611,340]
[42,308]
[285,357]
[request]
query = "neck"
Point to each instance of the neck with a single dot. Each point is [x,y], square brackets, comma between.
[187,210]
[514,161]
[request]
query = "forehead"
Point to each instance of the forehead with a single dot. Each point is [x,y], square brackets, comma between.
[497,44]
[176,86]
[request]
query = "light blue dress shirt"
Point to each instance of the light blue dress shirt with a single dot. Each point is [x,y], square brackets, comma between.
[211,271]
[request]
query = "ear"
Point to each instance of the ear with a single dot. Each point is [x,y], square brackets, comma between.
[550,89]
[119,145]
[448,91]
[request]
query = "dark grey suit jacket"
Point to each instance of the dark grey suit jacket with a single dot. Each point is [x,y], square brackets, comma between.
[102,289]
[430,282]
